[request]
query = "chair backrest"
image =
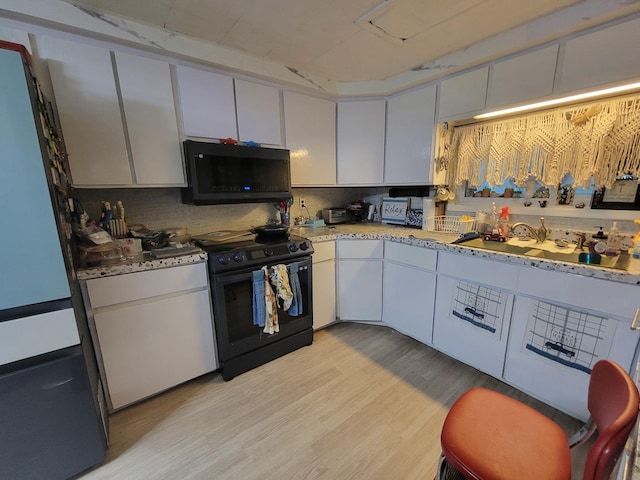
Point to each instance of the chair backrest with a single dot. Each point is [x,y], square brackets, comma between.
[613,404]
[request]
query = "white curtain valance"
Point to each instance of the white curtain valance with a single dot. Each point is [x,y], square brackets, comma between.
[600,139]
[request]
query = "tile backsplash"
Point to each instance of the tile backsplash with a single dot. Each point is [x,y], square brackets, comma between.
[159,208]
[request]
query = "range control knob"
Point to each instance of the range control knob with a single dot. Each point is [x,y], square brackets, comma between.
[237,257]
[267,252]
[293,247]
[304,246]
[222,260]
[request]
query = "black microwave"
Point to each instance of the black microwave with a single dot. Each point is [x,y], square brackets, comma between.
[224,173]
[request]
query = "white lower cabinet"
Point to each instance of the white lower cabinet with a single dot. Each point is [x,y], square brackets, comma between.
[152,330]
[324,284]
[558,334]
[409,288]
[360,280]
[473,310]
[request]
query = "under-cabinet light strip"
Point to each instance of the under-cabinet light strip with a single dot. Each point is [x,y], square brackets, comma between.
[559,101]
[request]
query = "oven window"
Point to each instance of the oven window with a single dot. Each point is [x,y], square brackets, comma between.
[238,308]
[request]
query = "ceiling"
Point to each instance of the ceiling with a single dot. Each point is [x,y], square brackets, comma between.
[339,40]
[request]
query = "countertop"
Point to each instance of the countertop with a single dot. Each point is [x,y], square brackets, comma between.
[442,241]
[410,236]
[138,263]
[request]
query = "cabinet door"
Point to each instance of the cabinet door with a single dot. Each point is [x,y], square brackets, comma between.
[602,57]
[310,131]
[410,133]
[324,293]
[553,347]
[149,109]
[471,323]
[361,142]
[464,95]
[149,347]
[258,113]
[87,101]
[523,78]
[360,290]
[207,104]
[408,298]
[324,284]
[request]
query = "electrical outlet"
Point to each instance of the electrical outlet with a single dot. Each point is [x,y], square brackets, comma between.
[302,203]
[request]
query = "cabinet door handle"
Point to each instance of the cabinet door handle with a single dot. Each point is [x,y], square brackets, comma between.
[636,317]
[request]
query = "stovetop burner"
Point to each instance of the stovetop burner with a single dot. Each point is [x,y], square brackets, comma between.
[236,250]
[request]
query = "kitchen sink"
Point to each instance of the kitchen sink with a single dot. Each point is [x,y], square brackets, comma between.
[495,246]
[549,251]
[619,262]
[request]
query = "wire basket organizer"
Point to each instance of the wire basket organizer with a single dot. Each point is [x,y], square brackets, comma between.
[449,224]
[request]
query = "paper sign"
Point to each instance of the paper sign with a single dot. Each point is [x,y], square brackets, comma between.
[394,210]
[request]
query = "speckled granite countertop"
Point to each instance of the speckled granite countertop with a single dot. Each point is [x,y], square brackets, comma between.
[139,263]
[442,241]
[410,236]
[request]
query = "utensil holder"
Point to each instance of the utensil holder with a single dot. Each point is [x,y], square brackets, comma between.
[285,218]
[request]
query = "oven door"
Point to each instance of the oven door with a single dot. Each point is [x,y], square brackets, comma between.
[233,311]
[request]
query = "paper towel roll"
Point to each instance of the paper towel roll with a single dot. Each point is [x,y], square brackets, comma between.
[428,214]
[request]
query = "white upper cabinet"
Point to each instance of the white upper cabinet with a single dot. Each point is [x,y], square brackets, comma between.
[207,103]
[410,131]
[92,110]
[361,142]
[310,130]
[602,57]
[87,101]
[258,113]
[523,78]
[464,95]
[149,109]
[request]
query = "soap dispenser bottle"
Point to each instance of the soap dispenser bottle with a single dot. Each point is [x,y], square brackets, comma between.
[599,243]
[614,242]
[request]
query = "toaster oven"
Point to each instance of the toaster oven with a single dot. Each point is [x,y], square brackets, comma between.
[334,215]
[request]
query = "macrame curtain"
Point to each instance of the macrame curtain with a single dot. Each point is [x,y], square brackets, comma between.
[599,139]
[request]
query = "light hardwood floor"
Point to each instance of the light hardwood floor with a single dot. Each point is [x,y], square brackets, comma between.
[363,402]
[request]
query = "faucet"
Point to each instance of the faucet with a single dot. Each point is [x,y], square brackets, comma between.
[540,234]
[582,238]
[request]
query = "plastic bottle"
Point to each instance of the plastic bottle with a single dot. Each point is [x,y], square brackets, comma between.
[492,224]
[614,242]
[503,221]
[636,242]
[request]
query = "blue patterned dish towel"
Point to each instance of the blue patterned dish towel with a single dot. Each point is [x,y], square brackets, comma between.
[259,307]
[296,305]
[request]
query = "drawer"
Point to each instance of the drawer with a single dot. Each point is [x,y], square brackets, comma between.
[410,255]
[37,334]
[324,251]
[360,248]
[478,270]
[612,298]
[152,283]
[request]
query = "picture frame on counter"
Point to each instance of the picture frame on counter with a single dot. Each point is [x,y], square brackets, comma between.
[623,195]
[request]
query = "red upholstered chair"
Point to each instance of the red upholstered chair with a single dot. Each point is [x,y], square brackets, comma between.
[489,436]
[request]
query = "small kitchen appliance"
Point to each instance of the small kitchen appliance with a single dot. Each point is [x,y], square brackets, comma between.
[334,215]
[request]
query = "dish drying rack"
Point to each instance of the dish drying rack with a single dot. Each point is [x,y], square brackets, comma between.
[449,224]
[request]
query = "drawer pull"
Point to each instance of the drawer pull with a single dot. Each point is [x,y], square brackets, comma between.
[636,317]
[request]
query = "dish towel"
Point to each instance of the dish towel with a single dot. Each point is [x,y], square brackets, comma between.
[280,280]
[296,304]
[259,304]
[271,325]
